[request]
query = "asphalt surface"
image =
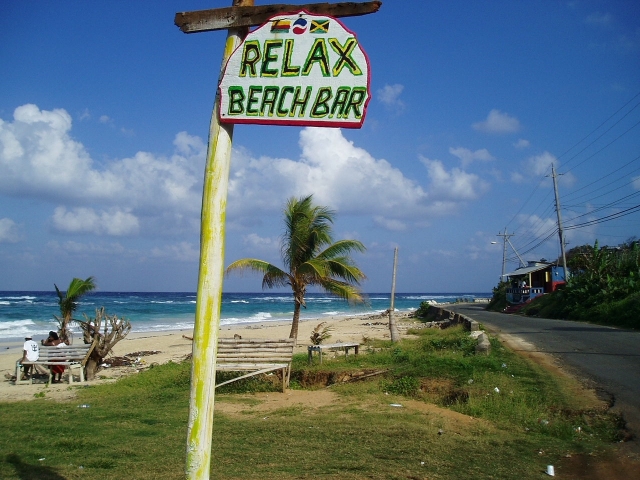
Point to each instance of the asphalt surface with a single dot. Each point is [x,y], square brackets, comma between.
[609,358]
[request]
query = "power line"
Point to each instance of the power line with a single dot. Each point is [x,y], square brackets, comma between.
[607,218]
[598,127]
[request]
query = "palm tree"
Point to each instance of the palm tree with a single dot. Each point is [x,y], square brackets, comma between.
[69,303]
[310,257]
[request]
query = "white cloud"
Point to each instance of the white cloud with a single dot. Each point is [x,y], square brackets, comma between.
[498,122]
[336,172]
[636,183]
[467,156]
[77,248]
[105,119]
[390,223]
[151,194]
[8,231]
[454,185]
[86,220]
[517,177]
[522,143]
[541,164]
[262,244]
[599,19]
[39,158]
[182,251]
[538,166]
[389,95]
[347,179]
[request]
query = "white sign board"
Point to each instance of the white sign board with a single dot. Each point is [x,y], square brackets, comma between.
[297,69]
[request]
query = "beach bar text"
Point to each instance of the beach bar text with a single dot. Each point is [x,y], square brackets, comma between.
[297,69]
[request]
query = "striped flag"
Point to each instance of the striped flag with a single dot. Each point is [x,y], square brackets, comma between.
[281,26]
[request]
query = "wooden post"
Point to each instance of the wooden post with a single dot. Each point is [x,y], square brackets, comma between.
[395,335]
[209,297]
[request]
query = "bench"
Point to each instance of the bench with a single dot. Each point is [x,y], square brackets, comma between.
[333,346]
[255,356]
[71,356]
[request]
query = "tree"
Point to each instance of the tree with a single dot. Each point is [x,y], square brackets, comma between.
[69,303]
[105,331]
[310,257]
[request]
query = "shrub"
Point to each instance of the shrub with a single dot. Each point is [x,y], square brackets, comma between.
[407,386]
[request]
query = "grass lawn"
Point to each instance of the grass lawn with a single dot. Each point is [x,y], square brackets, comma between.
[523,419]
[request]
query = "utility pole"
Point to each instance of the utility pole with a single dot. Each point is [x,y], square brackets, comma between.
[505,238]
[560,231]
[393,329]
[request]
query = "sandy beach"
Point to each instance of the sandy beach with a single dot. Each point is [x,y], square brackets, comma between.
[173,346]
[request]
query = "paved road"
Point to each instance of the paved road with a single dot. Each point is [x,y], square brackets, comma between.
[608,356]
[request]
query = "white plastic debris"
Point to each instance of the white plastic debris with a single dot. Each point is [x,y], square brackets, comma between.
[395,405]
[497,390]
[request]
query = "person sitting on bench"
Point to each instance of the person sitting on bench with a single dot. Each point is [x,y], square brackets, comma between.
[30,353]
[54,341]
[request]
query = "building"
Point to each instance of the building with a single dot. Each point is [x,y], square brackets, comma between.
[537,278]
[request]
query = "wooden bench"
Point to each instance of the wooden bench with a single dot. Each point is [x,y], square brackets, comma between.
[71,356]
[333,346]
[255,356]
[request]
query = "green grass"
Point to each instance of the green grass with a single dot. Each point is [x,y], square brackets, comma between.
[136,427]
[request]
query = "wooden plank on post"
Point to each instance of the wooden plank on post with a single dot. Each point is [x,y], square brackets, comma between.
[247,16]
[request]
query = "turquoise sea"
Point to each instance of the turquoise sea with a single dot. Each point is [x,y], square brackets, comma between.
[32,312]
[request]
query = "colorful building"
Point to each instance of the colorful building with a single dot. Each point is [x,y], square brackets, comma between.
[537,278]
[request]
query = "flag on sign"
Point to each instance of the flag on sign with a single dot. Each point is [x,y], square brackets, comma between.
[319,26]
[281,26]
[300,26]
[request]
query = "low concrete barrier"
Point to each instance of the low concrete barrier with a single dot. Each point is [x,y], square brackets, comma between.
[446,318]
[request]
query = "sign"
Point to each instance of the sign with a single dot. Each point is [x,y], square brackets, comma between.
[297,69]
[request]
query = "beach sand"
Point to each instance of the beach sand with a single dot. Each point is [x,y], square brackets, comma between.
[173,346]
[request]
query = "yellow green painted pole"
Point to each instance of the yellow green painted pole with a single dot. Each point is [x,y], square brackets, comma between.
[210,276]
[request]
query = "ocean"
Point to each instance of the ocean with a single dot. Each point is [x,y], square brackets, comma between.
[32,312]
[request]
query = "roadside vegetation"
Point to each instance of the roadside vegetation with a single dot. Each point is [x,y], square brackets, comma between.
[424,407]
[604,288]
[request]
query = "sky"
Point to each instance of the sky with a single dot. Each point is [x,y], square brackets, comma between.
[104,119]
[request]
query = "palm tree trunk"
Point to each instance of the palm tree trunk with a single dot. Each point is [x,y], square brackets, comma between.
[296,321]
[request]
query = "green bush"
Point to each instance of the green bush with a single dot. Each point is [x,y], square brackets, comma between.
[499,300]
[424,310]
[407,386]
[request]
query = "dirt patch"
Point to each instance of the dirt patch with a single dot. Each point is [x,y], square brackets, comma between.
[327,378]
[261,403]
[587,467]
[264,403]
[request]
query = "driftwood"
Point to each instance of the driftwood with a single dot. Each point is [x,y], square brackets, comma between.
[246,16]
[358,378]
[106,331]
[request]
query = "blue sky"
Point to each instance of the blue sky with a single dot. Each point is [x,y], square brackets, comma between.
[104,117]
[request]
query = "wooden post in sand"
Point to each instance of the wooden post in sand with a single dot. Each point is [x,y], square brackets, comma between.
[393,329]
[236,19]
[209,297]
